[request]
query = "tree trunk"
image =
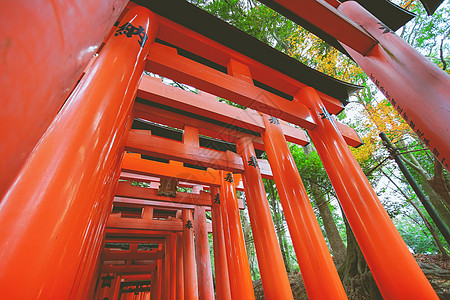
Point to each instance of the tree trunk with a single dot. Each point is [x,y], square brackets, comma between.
[432,231]
[437,203]
[337,245]
[424,219]
[248,242]
[354,272]
[278,222]
[439,182]
[438,196]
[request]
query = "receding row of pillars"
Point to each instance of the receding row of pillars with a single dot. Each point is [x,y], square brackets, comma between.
[60,216]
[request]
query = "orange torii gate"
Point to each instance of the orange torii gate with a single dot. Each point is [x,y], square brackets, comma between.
[66,205]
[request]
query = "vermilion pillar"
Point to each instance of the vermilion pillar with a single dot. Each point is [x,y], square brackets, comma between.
[165,290]
[156,281]
[416,87]
[115,294]
[108,289]
[241,285]
[190,274]
[45,51]
[173,265]
[223,291]
[396,272]
[273,272]
[48,220]
[159,276]
[180,269]
[318,271]
[153,284]
[204,272]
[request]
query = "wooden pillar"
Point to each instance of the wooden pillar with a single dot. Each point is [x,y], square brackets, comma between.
[274,278]
[158,278]
[190,274]
[238,268]
[92,261]
[318,271]
[204,272]
[180,269]
[115,294]
[173,266]
[154,283]
[416,87]
[58,213]
[223,291]
[49,44]
[164,276]
[396,272]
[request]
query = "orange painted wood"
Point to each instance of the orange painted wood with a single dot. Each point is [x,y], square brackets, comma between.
[106,291]
[160,116]
[238,268]
[270,261]
[125,255]
[149,225]
[52,45]
[222,279]
[112,233]
[137,277]
[133,163]
[149,179]
[203,259]
[318,270]
[179,266]
[173,266]
[70,231]
[396,272]
[326,17]
[191,41]
[155,204]
[190,276]
[349,134]
[163,204]
[131,223]
[154,90]
[159,276]
[142,142]
[125,189]
[417,88]
[165,61]
[128,269]
[167,262]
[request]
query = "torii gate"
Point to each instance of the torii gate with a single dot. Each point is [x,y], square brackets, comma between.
[59,189]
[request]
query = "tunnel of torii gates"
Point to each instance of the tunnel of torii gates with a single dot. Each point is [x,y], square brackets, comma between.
[94,152]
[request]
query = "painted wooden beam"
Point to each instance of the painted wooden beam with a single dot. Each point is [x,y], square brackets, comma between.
[152,89]
[125,189]
[213,51]
[133,163]
[325,16]
[146,224]
[141,141]
[126,255]
[165,61]
[128,269]
[163,204]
